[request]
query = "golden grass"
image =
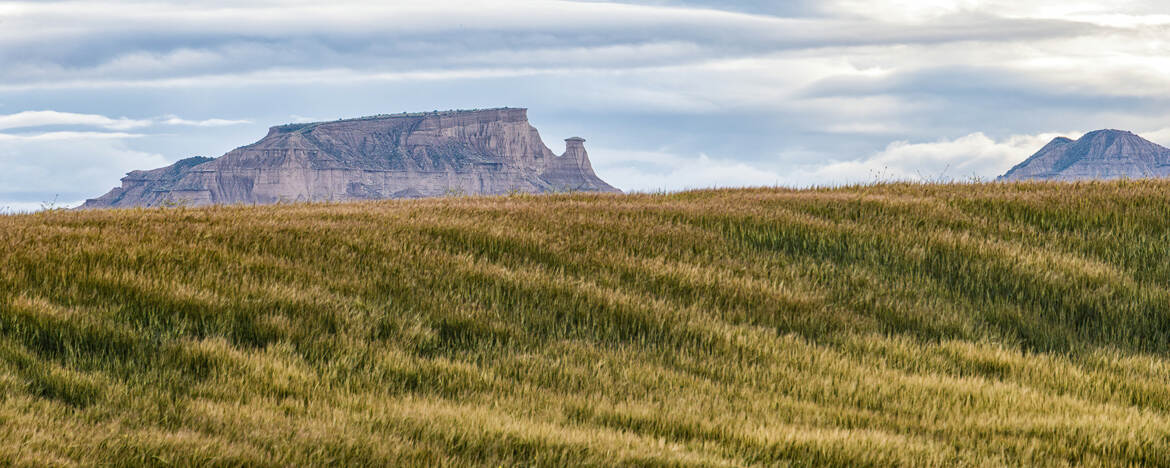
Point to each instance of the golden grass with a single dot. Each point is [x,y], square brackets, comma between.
[888,325]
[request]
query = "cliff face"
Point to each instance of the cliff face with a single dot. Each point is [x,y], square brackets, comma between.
[1103,154]
[480,152]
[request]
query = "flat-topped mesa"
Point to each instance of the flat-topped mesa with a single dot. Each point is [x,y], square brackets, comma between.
[448,117]
[409,155]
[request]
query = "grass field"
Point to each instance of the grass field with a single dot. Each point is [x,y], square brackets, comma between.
[887,325]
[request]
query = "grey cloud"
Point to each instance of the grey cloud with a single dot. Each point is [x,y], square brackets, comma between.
[750,91]
[171,42]
[785,8]
[66,166]
[29,119]
[997,100]
[48,118]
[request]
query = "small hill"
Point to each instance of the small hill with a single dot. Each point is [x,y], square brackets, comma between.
[1103,154]
[478,152]
[892,325]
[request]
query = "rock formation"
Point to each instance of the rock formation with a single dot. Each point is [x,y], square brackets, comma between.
[1103,154]
[480,152]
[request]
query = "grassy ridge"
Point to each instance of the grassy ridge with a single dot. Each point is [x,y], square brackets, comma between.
[916,325]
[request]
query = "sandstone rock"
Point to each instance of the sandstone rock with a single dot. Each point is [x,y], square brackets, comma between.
[1103,154]
[481,152]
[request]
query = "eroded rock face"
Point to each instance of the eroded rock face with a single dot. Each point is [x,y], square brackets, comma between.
[481,152]
[1103,154]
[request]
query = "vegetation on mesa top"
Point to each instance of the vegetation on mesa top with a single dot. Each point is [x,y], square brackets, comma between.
[292,127]
[891,325]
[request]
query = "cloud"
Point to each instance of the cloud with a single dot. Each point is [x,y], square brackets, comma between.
[48,118]
[176,120]
[911,11]
[65,166]
[286,76]
[683,93]
[1160,136]
[119,46]
[59,136]
[17,207]
[972,157]
[61,167]
[39,164]
[648,171]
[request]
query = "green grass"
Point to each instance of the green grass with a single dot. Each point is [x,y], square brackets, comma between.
[888,325]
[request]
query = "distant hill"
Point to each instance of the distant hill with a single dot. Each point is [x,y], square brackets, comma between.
[474,152]
[1103,154]
[898,325]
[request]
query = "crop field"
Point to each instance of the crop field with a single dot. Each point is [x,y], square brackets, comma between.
[883,325]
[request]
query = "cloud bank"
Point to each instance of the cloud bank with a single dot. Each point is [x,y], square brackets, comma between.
[670,95]
[51,158]
[971,158]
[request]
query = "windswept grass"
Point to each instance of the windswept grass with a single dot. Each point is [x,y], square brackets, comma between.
[889,325]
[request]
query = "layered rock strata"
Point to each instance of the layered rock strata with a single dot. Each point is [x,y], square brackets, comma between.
[1103,154]
[480,152]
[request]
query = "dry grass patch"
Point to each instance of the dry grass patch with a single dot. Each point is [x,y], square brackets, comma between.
[887,325]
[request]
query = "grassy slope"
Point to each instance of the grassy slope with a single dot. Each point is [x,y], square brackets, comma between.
[886,325]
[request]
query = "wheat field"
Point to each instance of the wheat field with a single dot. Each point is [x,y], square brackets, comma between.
[882,325]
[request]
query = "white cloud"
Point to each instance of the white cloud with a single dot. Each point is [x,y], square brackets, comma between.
[47,118]
[648,171]
[433,36]
[59,136]
[1159,136]
[59,167]
[176,120]
[972,157]
[17,207]
[975,156]
[910,11]
[355,17]
[860,74]
[67,166]
[270,76]
[901,10]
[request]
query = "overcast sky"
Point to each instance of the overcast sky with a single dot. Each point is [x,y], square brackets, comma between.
[670,95]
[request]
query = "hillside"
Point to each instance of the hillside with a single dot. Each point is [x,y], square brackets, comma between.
[892,325]
[1099,155]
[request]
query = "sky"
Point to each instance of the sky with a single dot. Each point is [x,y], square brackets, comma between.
[670,95]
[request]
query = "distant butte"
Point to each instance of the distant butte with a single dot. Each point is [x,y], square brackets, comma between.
[1103,154]
[475,152]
